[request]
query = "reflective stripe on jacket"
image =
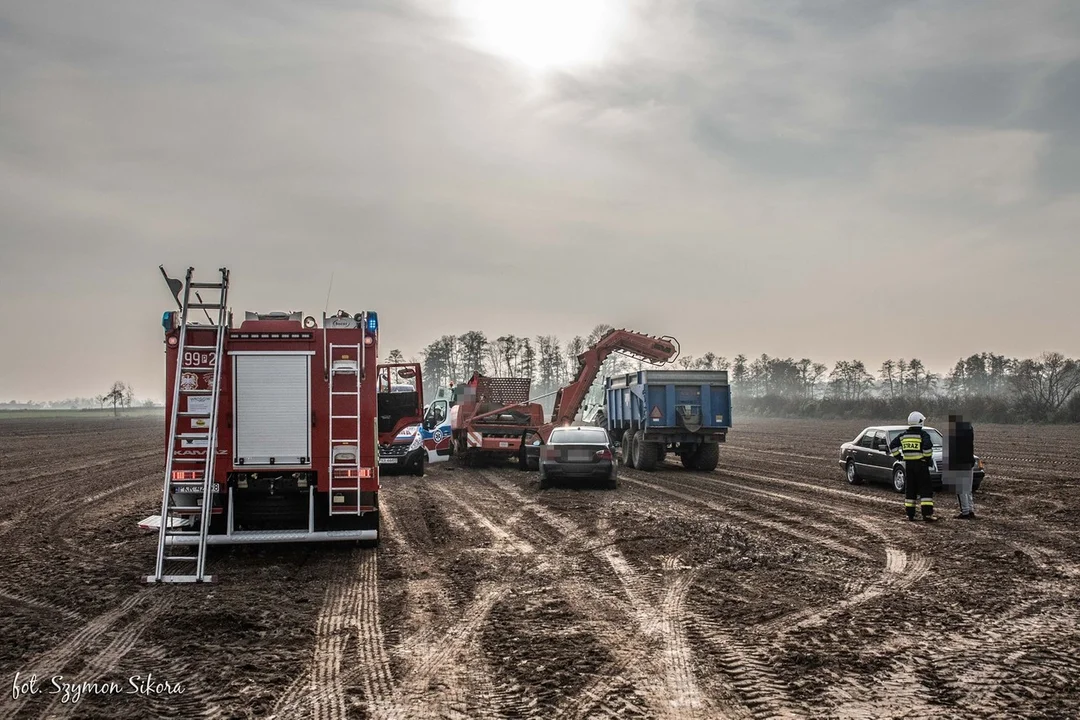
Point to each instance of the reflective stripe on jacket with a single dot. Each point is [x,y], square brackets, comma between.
[913,445]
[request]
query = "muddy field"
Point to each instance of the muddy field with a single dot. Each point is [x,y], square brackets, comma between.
[769,588]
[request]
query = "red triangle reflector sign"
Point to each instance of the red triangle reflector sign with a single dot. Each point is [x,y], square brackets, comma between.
[656,414]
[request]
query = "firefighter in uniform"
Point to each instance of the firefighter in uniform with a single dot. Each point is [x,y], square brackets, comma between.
[916,448]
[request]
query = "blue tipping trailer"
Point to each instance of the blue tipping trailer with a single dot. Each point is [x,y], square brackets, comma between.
[653,412]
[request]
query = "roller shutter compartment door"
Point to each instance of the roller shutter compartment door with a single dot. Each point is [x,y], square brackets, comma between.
[273,409]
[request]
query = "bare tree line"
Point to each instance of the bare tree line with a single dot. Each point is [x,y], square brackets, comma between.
[985,386]
[120,396]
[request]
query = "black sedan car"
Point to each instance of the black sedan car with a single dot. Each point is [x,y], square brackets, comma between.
[867,458]
[578,452]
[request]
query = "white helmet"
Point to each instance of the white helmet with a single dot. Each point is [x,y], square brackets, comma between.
[916,418]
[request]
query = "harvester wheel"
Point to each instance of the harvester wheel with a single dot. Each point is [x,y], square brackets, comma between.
[644,453]
[628,448]
[462,451]
[524,461]
[707,457]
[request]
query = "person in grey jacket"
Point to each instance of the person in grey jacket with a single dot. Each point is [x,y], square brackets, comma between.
[959,459]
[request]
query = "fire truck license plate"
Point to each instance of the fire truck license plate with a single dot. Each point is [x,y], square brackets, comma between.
[196,488]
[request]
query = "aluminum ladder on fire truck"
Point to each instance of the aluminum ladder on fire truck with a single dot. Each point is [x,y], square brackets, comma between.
[197,477]
[339,446]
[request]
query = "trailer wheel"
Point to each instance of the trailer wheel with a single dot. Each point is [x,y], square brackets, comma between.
[628,448]
[707,457]
[688,456]
[644,453]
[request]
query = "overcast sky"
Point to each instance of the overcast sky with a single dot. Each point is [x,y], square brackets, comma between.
[861,179]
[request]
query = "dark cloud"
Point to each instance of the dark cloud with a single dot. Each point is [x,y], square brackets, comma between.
[977,96]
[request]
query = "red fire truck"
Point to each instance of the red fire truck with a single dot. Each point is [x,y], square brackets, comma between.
[273,425]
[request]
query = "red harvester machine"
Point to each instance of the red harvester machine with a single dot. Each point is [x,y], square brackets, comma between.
[272,427]
[647,348]
[493,417]
[489,417]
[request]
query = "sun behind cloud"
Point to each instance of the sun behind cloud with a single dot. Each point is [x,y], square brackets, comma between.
[544,34]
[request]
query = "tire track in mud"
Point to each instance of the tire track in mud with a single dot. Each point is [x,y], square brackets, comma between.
[815,488]
[193,702]
[594,604]
[462,640]
[51,529]
[105,662]
[54,660]
[349,618]
[657,655]
[40,604]
[749,496]
[751,677]
[32,511]
[428,650]
[435,661]
[54,477]
[901,569]
[741,660]
[971,676]
[751,683]
[898,574]
[821,540]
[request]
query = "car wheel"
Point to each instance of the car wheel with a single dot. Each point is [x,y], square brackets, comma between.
[852,476]
[899,480]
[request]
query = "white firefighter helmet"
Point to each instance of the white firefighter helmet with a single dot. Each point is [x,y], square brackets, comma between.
[916,418]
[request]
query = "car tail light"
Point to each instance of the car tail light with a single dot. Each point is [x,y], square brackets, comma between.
[604,454]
